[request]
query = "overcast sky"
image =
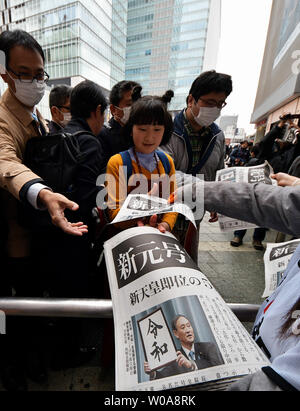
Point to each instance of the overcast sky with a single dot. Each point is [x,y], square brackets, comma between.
[243,36]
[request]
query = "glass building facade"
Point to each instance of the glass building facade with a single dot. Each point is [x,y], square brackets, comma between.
[81,39]
[167,43]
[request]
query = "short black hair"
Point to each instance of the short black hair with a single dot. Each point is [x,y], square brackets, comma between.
[150,110]
[85,98]
[11,39]
[209,82]
[59,95]
[119,89]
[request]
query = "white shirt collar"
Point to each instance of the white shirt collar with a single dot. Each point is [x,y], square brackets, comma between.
[188,351]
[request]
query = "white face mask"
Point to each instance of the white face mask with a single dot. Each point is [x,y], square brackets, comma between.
[30,94]
[67,119]
[207,115]
[126,114]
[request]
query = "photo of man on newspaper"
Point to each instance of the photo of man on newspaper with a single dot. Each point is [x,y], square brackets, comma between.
[195,346]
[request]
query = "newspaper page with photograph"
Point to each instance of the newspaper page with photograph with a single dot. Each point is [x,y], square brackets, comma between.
[143,205]
[276,259]
[173,330]
[291,134]
[252,175]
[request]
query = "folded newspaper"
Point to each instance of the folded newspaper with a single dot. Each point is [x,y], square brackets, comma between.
[142,205]
[172,328]
[253,175]
[276,259]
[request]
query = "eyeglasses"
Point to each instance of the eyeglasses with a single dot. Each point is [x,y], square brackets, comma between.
[65,107]
[214,103]
[42,77]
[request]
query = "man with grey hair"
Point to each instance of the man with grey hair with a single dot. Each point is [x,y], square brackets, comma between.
[191,356]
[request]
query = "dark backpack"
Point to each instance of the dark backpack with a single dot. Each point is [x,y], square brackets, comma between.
[55,159]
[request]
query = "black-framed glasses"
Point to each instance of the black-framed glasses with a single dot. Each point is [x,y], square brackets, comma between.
[214,103]
[65,107]
[42,77]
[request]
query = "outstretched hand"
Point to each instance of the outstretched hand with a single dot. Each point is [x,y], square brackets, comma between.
[56,204]
[189,194]
[285,180]
[154,220]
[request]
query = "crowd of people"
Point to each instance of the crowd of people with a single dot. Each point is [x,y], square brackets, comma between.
[58,260]
[282,153]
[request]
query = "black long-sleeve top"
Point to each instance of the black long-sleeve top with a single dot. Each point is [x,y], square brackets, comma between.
[89,170]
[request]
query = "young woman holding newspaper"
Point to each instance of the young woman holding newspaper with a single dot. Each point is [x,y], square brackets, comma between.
[149,125]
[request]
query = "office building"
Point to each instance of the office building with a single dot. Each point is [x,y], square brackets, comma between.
[228,124]
[170,42]
[83,39]
[279,85]
[227,121]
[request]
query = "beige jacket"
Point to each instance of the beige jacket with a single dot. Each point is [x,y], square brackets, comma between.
[16,128]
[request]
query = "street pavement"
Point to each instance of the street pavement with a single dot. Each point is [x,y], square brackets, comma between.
[236,273]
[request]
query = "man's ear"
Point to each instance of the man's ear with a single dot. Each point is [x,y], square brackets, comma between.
[95,114]
[55,112]
[5,78]
[9,81]
[98,112]
[3,71]
[112,109]
[190,100]
[175,334]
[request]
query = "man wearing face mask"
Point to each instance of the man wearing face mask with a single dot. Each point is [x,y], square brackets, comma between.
[59,103]
[22,69]
[122,95]
[197,145]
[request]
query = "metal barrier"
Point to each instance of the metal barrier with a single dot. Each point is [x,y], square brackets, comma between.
[84,308]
